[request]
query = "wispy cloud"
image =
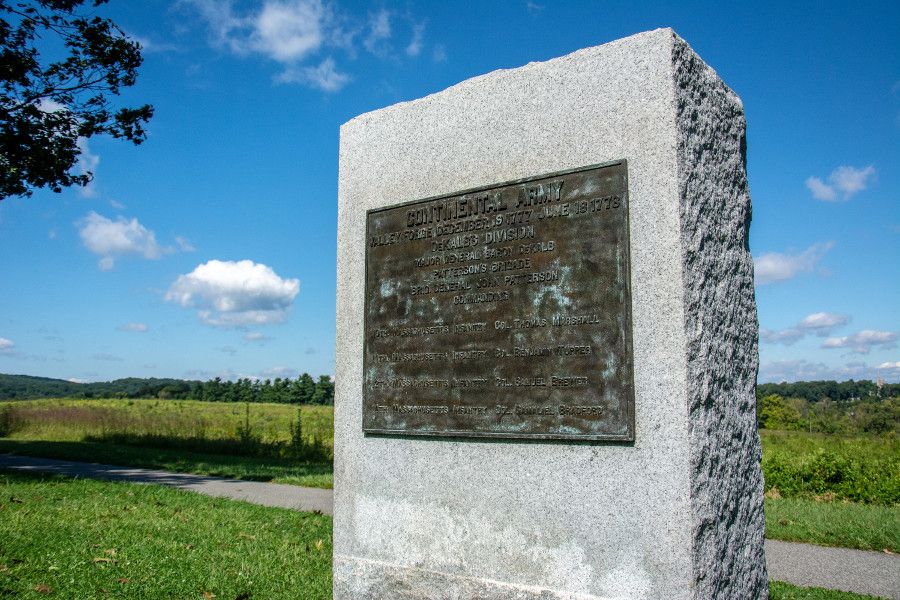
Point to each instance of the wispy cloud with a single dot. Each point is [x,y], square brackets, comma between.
[235,293]
[773,266]
[533,7]
[843,183]
[87,164]
[256,337]
[862,342]
[414,48]
[133,327]
[183,244]
[107,357]
[301,36]
[324,76]
[287,32]
[820,324]
[6,345]
[379,31]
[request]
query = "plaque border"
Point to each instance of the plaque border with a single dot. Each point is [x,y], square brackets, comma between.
[628,436]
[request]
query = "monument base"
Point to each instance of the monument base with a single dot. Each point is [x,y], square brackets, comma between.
[359,578]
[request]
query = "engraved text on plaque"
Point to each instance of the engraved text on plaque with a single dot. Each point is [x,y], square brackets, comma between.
[503,311]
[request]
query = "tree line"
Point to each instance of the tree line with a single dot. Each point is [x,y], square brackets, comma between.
[302,390]
[859,415]
[837,391]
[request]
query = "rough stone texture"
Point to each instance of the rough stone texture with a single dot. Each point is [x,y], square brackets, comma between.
[721,330]
[662,518]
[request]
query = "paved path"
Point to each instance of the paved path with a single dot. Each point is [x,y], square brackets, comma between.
[801,564]
[266,494]
[874,573]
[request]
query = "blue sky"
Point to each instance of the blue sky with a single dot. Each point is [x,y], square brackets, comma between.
[210,250]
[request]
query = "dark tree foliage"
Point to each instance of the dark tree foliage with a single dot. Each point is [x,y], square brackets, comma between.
[843,391]
[53,96]
[302,390]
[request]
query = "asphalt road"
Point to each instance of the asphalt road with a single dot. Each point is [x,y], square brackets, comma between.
[856,571]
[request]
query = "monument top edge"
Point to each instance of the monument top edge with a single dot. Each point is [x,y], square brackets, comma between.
[659,35]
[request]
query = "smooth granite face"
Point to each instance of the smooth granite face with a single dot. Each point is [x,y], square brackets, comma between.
[455,519]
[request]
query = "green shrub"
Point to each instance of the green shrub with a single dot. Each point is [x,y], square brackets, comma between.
[827,473]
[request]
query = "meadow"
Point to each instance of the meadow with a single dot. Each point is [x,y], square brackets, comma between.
[840,490]
[264,442]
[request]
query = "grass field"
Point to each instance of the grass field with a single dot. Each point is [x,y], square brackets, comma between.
[68,538]
[809,477]
[779,590]
[845,524]
[178,435]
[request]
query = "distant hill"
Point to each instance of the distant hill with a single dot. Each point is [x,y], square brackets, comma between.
[23,387]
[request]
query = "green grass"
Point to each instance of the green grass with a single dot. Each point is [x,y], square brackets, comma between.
[91,539]
[309,474]
[177,435]
[74,419]
[845,524]
[779,590]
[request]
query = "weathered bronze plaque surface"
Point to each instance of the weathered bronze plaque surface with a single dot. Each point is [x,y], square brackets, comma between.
[503,311]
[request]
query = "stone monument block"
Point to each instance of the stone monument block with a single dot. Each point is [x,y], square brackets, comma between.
[547,337]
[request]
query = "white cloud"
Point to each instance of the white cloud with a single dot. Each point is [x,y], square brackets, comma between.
[863,341]
[108,239]
[823,322]
[415,45]
[533,7]
[439,54]
[889,365]
[285,31]
[135,327]
[288,31]
[227,350]
[803,370]
[379,32]
[773,266]
[820,323]
[107,356]
[849,181]
[324,77]
[235,293]
[6,346]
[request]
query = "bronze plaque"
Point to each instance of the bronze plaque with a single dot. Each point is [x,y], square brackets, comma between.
[503,311]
